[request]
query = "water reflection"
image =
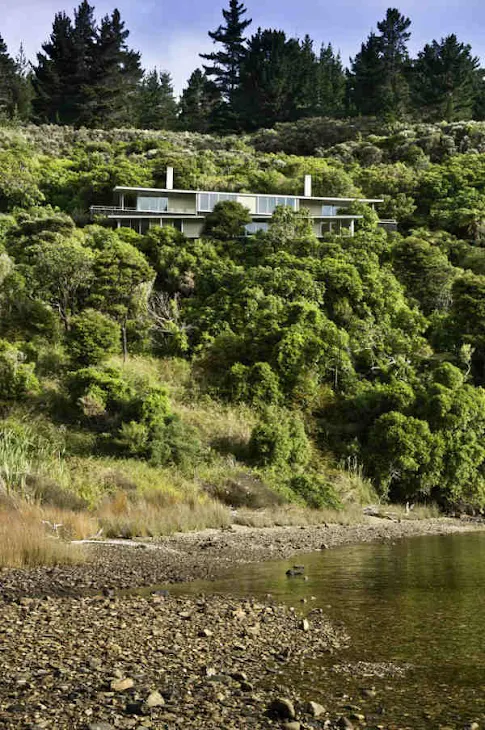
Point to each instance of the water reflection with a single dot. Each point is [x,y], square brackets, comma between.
[419,601]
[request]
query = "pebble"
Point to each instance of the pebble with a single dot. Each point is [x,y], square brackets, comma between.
[315,709]
[120,685]
[305,625]
[155,699]
[344,723]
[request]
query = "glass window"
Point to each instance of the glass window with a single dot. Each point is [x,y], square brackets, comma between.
[254,227]
[331,227]
[329,210]
[152,204]
[207,201]
[204,201]
[267,205]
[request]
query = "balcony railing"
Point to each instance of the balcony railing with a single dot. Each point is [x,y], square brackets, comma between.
[106,210]
[389,224]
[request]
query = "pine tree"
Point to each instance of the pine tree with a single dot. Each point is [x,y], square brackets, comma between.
[305,80]
[8,74]
[395,61]
[446,81]
[225,65]
[270,77]
[54,73]
[157,106]
[479,103]
[64,72]
[87,76]
[116,74]
[365,79]
[23,91]
[378,82]
[198,102]
[329,98]
[84,39]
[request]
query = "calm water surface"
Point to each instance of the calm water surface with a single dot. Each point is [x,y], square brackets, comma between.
[417,602]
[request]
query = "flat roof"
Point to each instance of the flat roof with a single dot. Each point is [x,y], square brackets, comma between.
[123,188]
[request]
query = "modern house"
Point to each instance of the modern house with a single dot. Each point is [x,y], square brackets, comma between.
[142,208]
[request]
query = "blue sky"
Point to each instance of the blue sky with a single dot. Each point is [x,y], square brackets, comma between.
[171,33]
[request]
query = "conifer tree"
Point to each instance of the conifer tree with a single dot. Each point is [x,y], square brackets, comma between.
[116,75]
[157,106]
[305,78]
[394,37]
[225,64]
[64,72]
[378,80]
[365,78]
[23,91]
[8,80]
[446,81]
[270,78]
[84,37]
[54,74]
[329,90]
[198,101]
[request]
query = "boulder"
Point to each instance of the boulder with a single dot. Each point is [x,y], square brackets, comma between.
[282,708]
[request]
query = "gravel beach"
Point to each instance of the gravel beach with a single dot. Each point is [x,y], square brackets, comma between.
[73,659]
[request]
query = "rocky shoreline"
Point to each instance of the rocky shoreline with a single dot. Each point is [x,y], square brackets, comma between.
[127,564]
[100,662]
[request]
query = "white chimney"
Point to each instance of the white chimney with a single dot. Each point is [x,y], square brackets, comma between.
[169,183]
[308,186]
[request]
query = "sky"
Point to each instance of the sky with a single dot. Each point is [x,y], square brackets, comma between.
[171,33]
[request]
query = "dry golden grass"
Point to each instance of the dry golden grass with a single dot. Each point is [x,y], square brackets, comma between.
[121,518]
[25,543]
[63,523]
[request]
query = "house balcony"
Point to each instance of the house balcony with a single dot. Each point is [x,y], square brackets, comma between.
[113,211]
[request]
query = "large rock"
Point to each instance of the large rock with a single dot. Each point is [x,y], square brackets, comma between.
[282,708]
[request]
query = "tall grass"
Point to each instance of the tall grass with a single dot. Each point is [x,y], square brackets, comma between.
[122,518]
[26,543]
[291,515]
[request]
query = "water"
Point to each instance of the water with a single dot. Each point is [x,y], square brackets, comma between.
[418,604]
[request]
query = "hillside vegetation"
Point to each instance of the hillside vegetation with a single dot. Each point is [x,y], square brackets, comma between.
[153,381]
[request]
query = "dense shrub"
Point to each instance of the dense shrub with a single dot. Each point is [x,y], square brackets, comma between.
[279,439]
[93,337]
[17,377]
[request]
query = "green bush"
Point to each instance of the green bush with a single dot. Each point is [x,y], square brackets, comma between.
[17,377]
[279,439]
[93,337]
[101,385]
[257,384]
[316,492]
[175,443]
[226,222]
